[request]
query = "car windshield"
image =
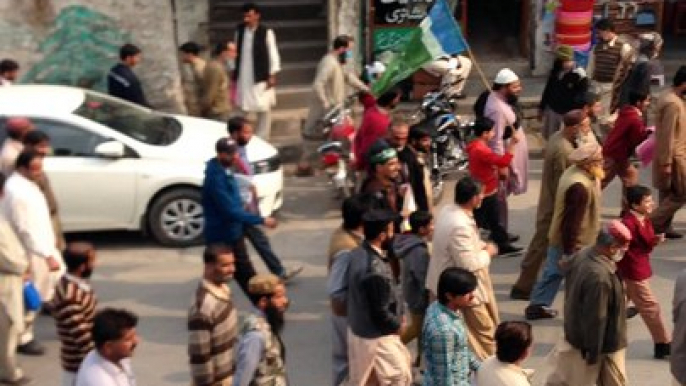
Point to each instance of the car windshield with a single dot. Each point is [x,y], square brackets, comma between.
[136,122]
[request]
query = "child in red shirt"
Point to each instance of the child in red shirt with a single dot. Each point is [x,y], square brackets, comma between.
[483,166]
[635,270]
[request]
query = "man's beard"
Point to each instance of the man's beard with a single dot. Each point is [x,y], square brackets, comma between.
[241,142]
[387,244]
[87,273]
[275,318]
[512,98]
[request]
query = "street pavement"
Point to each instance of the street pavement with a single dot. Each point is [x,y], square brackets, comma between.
[157,283]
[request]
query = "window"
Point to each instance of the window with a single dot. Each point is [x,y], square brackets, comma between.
[67,140]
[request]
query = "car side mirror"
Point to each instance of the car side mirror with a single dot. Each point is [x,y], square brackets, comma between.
[110,149]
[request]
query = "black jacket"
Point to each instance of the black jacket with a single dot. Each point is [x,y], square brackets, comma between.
[564,94]
[123,83]
[374,309]
[415,176]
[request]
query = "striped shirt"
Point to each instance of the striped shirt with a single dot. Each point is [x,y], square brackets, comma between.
[74,308]
[213,332]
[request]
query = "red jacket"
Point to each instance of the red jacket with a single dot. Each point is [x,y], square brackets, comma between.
[629,131]
[374,126]
[484,164]
[636,262]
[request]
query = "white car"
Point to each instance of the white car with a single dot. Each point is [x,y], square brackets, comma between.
[117,165]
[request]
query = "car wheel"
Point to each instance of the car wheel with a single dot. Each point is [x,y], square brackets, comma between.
[176,218]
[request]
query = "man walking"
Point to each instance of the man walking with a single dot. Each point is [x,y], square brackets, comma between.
[499,108]
[377,356]
[411,169]
[257,64]
[449,359]
[13,269]
[214,85]
[29,215]
[213,321]
[191,76]
[115,339]
[73,308]
[225,214]
[344,239]
[556,160]
[608,66]
[574,225]
[595,315]
[678,352]
[261,353]
[122,82]
[457,243]
[669,165]
[328,90]
[241,131]
[9,72]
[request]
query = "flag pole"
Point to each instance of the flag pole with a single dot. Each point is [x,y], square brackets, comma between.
[478,68]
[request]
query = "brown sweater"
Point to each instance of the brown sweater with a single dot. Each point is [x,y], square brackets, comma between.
[213,331]
[74,307]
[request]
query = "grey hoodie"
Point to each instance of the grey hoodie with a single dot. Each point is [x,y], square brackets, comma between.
[413,251]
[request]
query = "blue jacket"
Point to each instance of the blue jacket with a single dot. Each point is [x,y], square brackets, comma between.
[222,206]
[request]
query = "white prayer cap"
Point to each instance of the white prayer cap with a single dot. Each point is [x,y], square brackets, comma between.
[376,68]
[505,76]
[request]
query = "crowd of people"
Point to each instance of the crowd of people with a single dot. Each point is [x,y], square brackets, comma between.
[397,271]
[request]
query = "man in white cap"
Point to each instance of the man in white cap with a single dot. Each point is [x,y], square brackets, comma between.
[453,70]
[594,348]
[575,223]
[501,108]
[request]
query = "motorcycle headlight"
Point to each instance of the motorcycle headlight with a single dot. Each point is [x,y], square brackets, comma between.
[268,165]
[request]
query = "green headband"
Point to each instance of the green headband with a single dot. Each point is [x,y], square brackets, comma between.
[383,156]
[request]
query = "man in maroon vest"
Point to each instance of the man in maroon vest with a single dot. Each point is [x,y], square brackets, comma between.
[257,63]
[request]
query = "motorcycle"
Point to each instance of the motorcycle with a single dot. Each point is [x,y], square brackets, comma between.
[449,137]
[336,153]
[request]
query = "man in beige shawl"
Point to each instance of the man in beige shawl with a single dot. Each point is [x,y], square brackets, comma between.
[669,165]
[328,90]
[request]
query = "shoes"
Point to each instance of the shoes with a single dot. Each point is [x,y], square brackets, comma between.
[508,250]
[631,312]
[662,350]
[513,238]
[671,235]
[517,294]
[290,273]
[535,312]
[33,348]
[24,380]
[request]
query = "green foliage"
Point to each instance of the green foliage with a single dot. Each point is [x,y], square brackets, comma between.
[79,51]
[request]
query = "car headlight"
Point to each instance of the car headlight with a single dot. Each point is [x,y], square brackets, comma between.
[268,165]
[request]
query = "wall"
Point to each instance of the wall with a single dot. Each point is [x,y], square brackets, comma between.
[75,42]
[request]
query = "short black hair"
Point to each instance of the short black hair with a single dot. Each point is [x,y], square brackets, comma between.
[455,281]
[235,124]
[605,25]
[418,132]
[128,50]
[190,48]
[482,125]
[372,230]
[420,219]
[385,99]
[352,210]
[74,258]
[8,65]
[635,194]
[466,189]
[25,158]
[212,252]
[680,76]
[219,48]
[35,137]
[636,96]
[512,340]
[110,324]
[247,7]
[341,41]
